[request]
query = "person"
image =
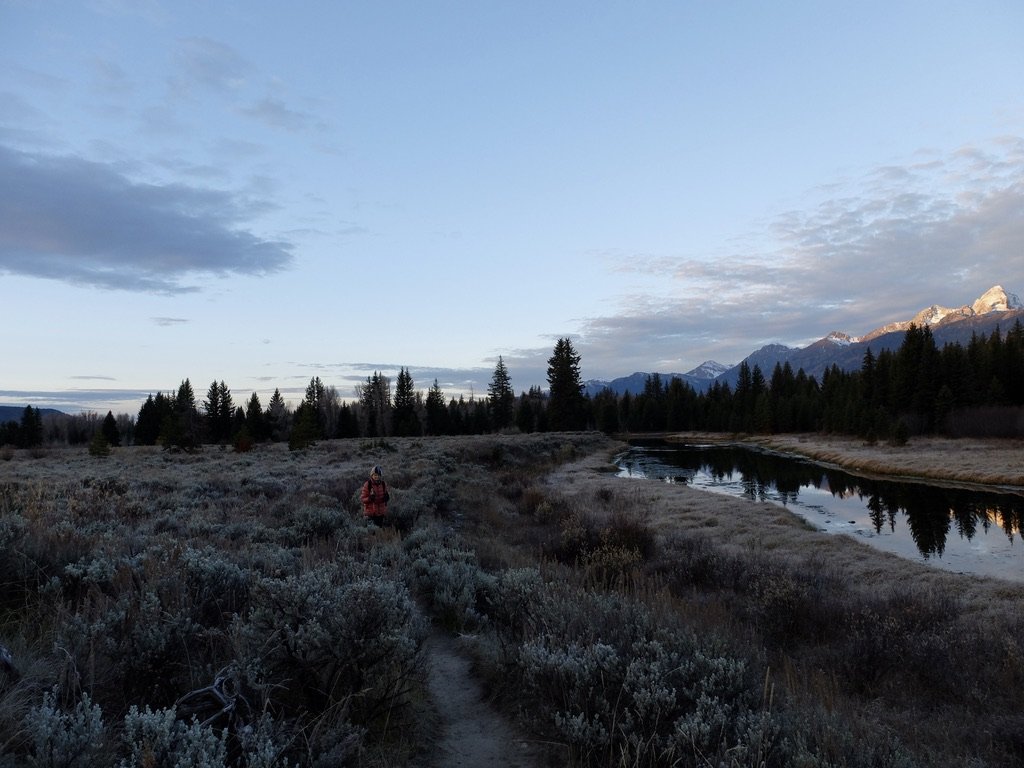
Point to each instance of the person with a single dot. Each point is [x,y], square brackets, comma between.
[375,497]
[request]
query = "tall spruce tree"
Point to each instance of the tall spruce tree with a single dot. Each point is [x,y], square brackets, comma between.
[436,411]
[277,417]
[254,419]
[375,404]
[500,398]
[405,422]
[110,431]
[566,402]
[30,433]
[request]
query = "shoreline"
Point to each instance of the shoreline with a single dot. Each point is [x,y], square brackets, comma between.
[991,463]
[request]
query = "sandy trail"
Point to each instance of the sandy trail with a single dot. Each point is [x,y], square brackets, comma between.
[474,732]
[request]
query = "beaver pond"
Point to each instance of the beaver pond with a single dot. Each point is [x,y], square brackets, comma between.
[968,529]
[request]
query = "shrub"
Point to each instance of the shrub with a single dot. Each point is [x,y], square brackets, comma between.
[99,447]
[156,738]
[332,635]
[66,739]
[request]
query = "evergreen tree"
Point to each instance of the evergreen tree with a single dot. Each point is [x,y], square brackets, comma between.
[348,422]
[277,417]
[181,430]
[436,413]
[305,431]
[110,431]
[152,415]
[405,421]
[255,421]
[30,432]
[606,411]
[316,399]
[226,411]
[375,404]
[211,409]
[500,398]
[567,406]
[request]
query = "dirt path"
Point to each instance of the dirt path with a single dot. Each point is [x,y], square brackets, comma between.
[474,733]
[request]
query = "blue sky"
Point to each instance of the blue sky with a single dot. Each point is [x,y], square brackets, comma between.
[262,192]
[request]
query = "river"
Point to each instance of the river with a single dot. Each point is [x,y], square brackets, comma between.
[955,527]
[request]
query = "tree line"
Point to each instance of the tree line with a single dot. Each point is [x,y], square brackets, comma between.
[183,420]
[916,389]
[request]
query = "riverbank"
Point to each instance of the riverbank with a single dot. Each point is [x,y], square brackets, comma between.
[984,462]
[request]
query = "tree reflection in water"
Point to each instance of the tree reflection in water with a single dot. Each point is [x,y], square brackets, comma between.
[929,511]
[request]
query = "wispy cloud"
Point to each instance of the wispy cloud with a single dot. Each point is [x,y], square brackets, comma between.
[206,63]
[275,113]
[68,219]
[937,229]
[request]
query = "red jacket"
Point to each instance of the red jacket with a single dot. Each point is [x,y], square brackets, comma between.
[375,498]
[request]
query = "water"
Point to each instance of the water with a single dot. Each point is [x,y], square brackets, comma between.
[955,527]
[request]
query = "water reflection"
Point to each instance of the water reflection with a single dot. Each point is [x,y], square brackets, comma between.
[983,526]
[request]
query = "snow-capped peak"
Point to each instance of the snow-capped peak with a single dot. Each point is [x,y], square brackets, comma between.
[709,369]
[840,339]
[995,299]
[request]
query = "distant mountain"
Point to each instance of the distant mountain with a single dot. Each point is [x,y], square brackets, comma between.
[995,309]
[700,378]
[15,412]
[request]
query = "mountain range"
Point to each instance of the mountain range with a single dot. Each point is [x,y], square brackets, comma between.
[995,309]
[15,412]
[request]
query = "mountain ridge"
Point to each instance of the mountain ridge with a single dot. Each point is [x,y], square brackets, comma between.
[993,309]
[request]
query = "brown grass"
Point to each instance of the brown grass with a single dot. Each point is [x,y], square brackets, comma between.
[965,460]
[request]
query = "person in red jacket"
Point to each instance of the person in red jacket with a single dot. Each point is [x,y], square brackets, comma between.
[375,497]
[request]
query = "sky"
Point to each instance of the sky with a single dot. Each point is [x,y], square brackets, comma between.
[261,193]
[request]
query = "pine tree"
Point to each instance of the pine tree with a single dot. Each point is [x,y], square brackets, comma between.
[30,433]
[211,409]
[182,429]
[151,418]
[254,419]
[225,412]
[436,413]
[375,404]
[500,398]
[566,403]
[110,431]
[309,416]
[277,417]
[405,422]
[316,399]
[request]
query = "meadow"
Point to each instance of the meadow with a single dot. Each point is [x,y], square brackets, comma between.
[219,608]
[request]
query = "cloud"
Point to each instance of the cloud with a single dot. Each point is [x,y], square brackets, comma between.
[277,114]
[68,219]
[168,321]
[78,400]
[209,64]
[936,229]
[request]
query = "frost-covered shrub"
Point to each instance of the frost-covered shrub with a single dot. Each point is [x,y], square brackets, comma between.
[450,579]
[513,605]
[134,643]
[640,705]
[311,522]
[216,585]
[619,685]
[332,634]
[156,738]
[65,739]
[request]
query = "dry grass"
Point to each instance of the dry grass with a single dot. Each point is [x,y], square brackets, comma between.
[964,460]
